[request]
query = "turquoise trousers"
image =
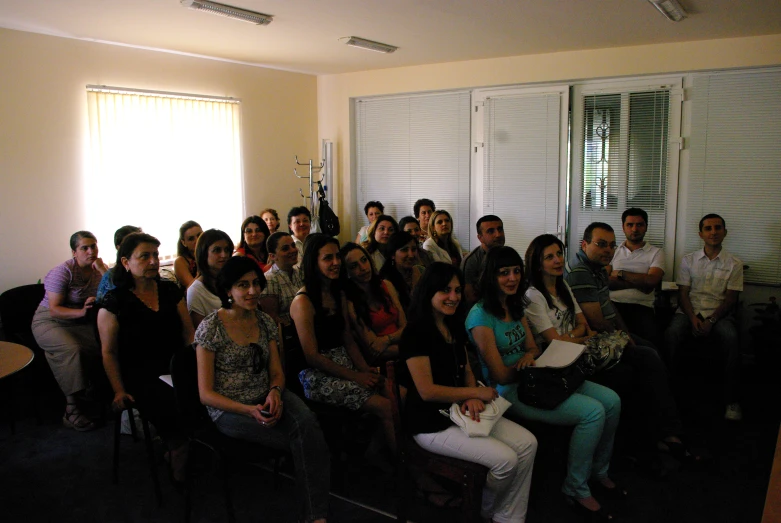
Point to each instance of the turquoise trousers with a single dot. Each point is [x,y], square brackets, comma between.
[593,411]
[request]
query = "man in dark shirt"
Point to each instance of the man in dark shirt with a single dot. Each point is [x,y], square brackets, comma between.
[490,233]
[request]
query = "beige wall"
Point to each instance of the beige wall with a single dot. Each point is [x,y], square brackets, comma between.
[43,131]
[334,91]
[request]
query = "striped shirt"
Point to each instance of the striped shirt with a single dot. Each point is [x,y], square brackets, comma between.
[589,283]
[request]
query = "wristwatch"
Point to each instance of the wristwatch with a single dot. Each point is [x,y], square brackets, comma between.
[620,275]
[712,320]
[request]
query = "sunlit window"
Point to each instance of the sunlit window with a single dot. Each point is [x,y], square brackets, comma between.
[158,160]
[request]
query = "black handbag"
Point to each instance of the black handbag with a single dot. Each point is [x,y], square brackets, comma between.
[545,388]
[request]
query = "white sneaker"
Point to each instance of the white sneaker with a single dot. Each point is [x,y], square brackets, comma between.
[734,412]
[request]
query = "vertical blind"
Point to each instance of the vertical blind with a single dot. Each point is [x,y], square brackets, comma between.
[521,165]
[625,160]
[736,166]
[414,147]
[160,160]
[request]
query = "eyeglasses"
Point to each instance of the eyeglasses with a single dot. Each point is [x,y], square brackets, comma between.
[602,244]
[257,358]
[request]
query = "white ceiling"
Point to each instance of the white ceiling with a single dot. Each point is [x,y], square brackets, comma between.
[304,35]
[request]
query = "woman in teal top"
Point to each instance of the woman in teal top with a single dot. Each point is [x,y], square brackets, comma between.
[497,326]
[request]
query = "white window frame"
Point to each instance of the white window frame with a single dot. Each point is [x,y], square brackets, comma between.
[479,97]
[579,91]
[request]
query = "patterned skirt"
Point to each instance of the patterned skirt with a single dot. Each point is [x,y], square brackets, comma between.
[322,387]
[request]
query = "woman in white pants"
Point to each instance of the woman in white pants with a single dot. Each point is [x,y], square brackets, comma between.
[433,345]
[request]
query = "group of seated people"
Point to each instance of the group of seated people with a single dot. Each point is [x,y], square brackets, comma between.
[352,308]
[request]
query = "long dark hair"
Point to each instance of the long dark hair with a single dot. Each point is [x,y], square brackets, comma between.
[122,278]
[356,295]
[535,273]
[257,220]
[421,313]
[314,286]
[496,259]
[205,241]
[181,250]
[389,271]
[233,270]
[371,244]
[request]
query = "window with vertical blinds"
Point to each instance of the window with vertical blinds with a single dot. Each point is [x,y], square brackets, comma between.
[735,166]
[158,160]
[623,158]
[521,163]
[413,147]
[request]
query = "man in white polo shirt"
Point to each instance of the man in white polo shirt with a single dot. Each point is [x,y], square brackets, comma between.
[635,272]
[709,281]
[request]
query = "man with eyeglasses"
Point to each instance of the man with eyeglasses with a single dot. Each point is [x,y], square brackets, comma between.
[635,272]
[709,281]
[641,369]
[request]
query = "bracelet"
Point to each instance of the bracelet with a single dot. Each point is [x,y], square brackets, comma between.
[279,389]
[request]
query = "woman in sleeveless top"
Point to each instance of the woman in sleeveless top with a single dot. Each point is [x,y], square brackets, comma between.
[338,373]
[376,316]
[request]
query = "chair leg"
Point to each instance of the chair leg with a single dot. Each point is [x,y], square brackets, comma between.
[226,473]
[132,421]
[402,492]
[188,487]
[470,510]
[117,435]
[150,452]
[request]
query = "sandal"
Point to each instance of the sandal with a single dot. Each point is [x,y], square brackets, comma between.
[679,451]
[617,493]
[588,515]
[440,499]
[76,420]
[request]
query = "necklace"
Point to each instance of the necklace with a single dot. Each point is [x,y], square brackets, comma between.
[245,327]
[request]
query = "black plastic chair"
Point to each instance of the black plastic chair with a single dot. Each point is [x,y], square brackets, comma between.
[203,434]
[17,308]
[150,451]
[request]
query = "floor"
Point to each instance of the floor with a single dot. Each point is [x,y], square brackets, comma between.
[50,473]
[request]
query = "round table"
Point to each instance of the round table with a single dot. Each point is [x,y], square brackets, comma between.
[13,358]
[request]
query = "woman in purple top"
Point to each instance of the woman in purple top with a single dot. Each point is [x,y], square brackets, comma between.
[61,327]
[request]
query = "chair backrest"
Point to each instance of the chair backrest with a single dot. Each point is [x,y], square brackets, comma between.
[395,399]
[184,374]
[17,308]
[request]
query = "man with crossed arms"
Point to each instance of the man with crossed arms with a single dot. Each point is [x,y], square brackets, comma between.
[636,270]
[709,281]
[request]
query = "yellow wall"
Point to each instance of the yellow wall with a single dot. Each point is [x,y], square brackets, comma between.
[334,91]
[43,132]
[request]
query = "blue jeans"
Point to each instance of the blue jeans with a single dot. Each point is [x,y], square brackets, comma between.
[724,336]
[299,432]
[594,411]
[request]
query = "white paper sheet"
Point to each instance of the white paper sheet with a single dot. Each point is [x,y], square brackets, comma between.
[560,354]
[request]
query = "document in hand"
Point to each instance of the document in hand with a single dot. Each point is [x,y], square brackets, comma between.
[560,354]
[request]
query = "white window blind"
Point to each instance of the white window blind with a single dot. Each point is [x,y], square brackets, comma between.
[159,160]
[414,147]
[735,166]
[524,141]
[625,151]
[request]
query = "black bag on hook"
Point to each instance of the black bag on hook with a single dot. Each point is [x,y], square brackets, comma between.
[328,220]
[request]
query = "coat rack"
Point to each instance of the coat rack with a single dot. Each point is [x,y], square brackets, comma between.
[313,170]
